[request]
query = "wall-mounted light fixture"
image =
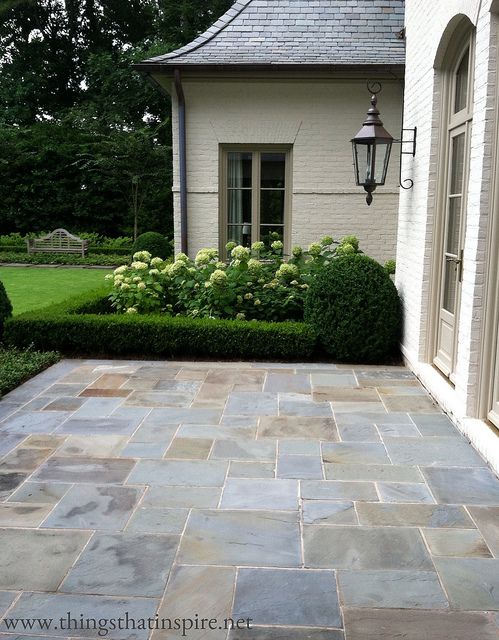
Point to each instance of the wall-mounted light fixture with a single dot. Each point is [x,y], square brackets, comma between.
[372,148]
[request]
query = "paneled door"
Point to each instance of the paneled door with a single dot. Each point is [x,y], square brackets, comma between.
[452,255]
[452,212]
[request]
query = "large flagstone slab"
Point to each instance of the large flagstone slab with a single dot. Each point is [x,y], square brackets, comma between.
[414,515]
[94,507]
[322,428]
[470,583]
[98,610]
[285,633]
[188,497]
[336,490]
[260,494]
[433,452]
[37,560]
[191,473]
[487,520]
[241,538]
[364,548]
[296,597]
[123,564]
[386,624]
[91,470]
[470,486]
[392,589]
[207,591]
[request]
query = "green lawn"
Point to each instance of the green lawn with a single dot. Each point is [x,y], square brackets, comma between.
[31,287]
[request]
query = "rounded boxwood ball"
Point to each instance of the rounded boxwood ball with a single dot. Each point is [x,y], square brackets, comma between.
[157,245]
[5,306]
[356,310]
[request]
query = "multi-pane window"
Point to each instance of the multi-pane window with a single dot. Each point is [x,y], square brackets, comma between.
[255,195]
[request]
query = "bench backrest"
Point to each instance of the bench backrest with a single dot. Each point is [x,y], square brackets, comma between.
[60,238]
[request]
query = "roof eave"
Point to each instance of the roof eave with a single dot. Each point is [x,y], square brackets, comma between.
[197,68]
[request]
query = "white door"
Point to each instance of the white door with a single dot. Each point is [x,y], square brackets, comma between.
[452,214]
[452,254]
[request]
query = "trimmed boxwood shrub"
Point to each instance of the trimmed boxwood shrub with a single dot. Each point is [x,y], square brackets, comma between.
[5,307]
[157,245]
[85,326]
[355,308]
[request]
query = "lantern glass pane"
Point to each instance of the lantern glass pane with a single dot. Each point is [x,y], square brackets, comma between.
[383,150]
[364,157]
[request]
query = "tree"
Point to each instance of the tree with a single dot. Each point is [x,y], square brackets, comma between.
[68,92]
[132,161]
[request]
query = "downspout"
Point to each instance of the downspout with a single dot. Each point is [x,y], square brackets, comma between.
[182,152]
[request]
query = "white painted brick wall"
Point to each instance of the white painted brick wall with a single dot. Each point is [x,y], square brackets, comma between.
[426,23]
[318,118]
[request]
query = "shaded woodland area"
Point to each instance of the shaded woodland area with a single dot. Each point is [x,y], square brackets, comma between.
[82,135]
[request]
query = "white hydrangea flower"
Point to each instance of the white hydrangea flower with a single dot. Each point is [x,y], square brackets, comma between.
[142,256]
[202,257]
[277,245]
[240,316]
[182,257]
[125,286]
[109,277]
[139,266]
[315,249]
[154,272]
[287,271]
[120,270]
[240,253]
[137,279]
[141,286]
[258,246]
[248,296]
[177,267]
[218,277]
[254,265]
[131,310]
[156,262]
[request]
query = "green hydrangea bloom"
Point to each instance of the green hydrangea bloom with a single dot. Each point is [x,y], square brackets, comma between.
[218,278]
[315,249]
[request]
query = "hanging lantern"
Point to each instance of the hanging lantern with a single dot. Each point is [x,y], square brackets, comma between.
[371,152]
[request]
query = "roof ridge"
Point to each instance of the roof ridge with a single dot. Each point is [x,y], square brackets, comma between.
[212,32]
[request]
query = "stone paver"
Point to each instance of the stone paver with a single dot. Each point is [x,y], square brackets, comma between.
[324,502]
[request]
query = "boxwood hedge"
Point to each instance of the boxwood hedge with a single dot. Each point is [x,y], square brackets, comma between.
[85,326]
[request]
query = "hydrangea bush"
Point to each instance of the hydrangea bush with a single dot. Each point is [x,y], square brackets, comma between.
[257,283]
[140,286]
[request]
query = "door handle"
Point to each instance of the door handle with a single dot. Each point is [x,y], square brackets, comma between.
[458,262]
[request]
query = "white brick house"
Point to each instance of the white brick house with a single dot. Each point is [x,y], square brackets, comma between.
[264,106]
[448,233]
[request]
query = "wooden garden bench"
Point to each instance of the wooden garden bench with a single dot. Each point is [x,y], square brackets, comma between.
[59,241]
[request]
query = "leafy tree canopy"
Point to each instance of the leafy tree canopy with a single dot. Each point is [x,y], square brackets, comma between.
[85,140]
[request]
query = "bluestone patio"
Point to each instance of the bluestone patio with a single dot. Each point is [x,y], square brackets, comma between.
[321,501]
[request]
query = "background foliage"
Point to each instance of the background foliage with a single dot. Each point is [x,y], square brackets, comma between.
[84,139]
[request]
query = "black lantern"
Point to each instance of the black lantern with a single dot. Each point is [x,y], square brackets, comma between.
[371,152]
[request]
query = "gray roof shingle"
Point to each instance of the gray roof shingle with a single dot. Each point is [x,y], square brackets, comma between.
[290,32]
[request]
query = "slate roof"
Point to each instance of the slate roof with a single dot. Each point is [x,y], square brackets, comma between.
[298,32]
